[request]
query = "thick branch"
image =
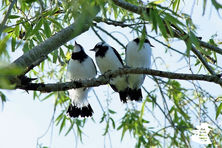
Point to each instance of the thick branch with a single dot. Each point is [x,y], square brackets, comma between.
[104,79]
[130,7]
[203,60]
[39,53]
[211,47]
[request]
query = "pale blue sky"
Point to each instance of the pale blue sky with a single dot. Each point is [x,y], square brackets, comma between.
[23,119]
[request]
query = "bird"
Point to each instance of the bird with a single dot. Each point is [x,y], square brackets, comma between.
[140,58]
[80,67]
[108,59]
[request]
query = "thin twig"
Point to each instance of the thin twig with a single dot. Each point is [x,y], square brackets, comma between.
[97,34]
[2,25]
[121,24]
[168,118]
[177,32]
[51,124]
[103,30]
[97,98]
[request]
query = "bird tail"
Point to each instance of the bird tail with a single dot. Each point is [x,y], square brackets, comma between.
[123,95]
[135,94]
[76,111]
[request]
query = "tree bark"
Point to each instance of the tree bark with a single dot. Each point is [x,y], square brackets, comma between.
[104,79]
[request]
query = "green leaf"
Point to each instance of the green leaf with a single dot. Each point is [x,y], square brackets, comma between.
[115,11]
[59,118]
[218,110]
[113,123]
[176,4]
[13,43]
[216,4]
[189,45]
[38,36]
[204,7]
[47,29]
[3,44]
[62,54]
[194,40]
[70,128]
[42,66]
[158,1]
[79,132]
[37,26]
[142,111]
[25,47]
[161,25]
[107,128]
[13,16]
[103,117]
[62,124]
[57,24]
[34,95]
[16,29]
[8,29]
[29,1]
[172,20]
[7,75]
[142,38]
[55,56]
[153,19]
[3,98]
[48,96]
[111,111]
[123,133]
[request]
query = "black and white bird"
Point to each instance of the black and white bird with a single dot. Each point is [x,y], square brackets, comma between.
[80,67]
[107,59]
[140,58]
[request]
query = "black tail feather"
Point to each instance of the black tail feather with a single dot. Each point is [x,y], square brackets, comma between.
[86,111]
[123,95]
[135,94]
[74,111]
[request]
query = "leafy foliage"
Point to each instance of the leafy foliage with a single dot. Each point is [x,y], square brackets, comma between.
[31,22]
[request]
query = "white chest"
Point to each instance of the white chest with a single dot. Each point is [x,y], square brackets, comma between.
[136,57]
[83,70]
[108,62]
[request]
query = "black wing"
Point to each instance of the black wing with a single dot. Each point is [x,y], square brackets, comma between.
[94,65]
[118,56]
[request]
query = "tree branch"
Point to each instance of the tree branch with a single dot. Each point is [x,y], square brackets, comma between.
[211,47]
[123,24]
[203,60]
[140,10]
[176,32]
[39,53]
[104,79]
[2,25]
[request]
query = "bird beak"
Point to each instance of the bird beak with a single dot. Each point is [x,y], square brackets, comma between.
[92,49]
[151,45]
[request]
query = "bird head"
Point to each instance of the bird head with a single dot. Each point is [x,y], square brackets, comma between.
[148,42]
[99,46]
[77,47]
[137,40]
